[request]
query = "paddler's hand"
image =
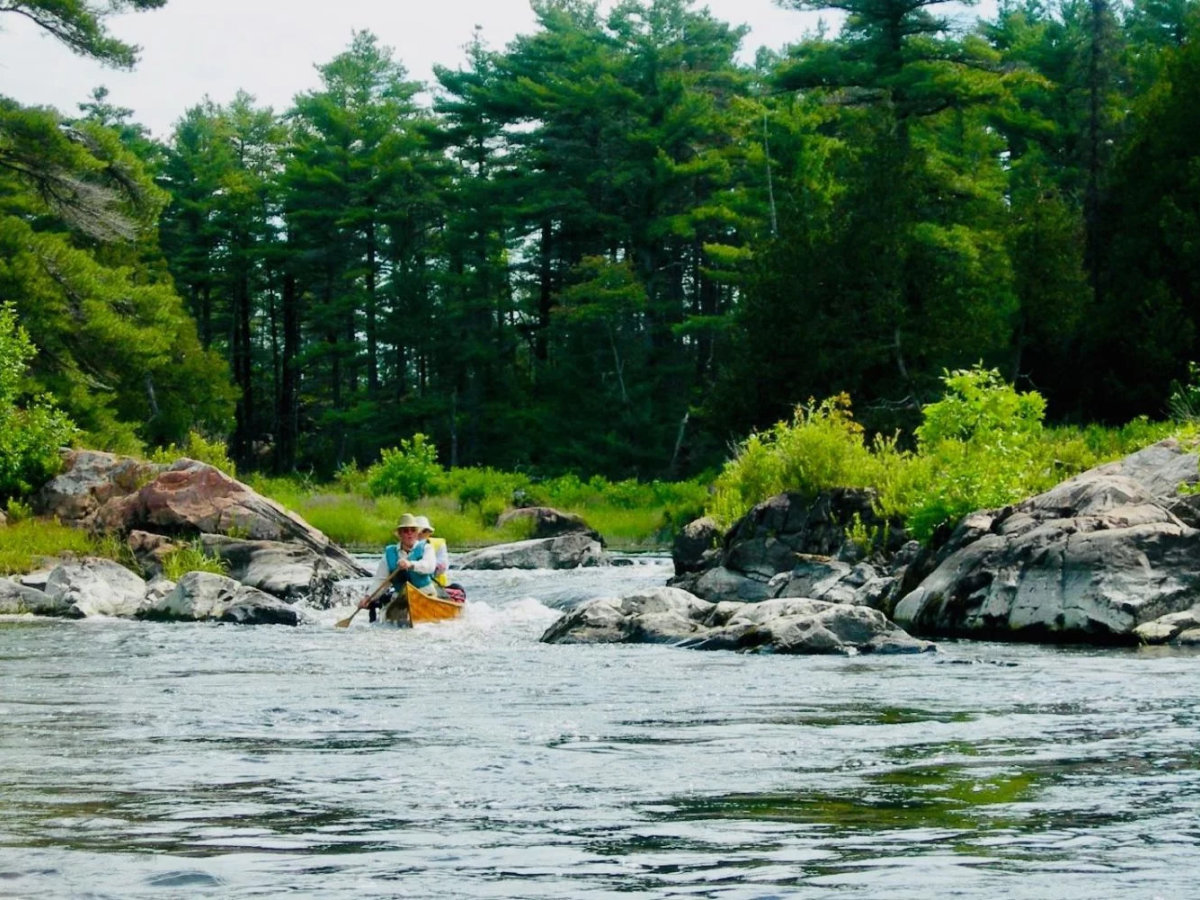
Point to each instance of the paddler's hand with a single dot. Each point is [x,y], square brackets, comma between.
[364,603]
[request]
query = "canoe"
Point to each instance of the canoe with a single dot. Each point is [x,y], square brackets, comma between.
[422,607]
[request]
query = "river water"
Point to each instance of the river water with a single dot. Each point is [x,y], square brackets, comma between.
[466,760]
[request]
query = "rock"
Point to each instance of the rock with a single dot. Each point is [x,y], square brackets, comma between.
[201,596]
[569,551]
[17,599]
[773,538]
[89,480]
[108,493]
[292,572]
[1093,559]
[822,578]
[791,625]
[150,550]
[548,522]
[697,546]
[96,587]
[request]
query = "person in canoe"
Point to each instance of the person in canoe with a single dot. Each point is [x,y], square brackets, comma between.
[411,560]
[438,546]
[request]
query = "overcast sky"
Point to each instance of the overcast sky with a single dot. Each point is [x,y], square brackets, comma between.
[197,48]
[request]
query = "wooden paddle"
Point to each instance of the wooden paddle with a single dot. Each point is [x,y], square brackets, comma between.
[378,592]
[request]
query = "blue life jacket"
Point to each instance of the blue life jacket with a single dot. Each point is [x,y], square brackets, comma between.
[392,554]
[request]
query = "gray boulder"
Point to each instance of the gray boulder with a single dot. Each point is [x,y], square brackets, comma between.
[291,572]
[545,521]
[1098,558]
[206,596]
[776,538]
[568,551]
[96,587]
[697,546]
[17,599]
[792,625]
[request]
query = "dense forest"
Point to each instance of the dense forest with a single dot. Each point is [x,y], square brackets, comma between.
[611,247]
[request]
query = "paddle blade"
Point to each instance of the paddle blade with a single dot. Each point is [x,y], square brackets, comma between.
[345,623]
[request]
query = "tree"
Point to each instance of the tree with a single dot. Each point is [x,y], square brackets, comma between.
[80,25]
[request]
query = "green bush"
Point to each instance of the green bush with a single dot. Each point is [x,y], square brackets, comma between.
[197,447]
[32,429]
[821,448]
[410,471]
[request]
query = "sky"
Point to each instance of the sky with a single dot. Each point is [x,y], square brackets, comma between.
[192,49]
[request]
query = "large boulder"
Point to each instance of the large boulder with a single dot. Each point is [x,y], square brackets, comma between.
[96,587]
[1098,558]
[90,479]
[568,551]
[291,572]
[103,492]
[697,546]
[206,596]
[17,599]
[793,625]
[546,522]
[774,538]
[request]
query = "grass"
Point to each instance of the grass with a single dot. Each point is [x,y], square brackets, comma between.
[31,543]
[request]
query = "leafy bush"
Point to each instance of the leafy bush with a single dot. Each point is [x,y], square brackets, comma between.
[980,446]
[410,471]
[31,433]
[821,448]
[476,486]
[202,449]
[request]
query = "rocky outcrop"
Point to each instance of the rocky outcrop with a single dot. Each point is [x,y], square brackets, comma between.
[204,596]
[292,572]
[546,522]
[569,551]
[1100,558]
[793,625]
[774,538]
[163,508]
[89,481]
[103,492]
[791,546]
[697,546]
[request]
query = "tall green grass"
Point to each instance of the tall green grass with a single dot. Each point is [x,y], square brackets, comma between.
[28,544]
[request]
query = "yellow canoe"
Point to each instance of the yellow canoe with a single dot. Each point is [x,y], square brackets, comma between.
[422,607]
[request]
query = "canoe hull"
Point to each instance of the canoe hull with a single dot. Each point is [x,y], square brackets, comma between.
[421,608]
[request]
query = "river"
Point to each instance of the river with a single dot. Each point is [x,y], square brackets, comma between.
[468,760]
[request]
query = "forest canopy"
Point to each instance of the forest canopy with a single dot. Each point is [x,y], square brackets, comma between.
[611,246]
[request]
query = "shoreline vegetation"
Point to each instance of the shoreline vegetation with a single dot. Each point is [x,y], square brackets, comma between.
[982,445]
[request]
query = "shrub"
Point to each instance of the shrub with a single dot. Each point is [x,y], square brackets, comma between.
[198,447]
[410,471]
[978,447]
[822,447]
